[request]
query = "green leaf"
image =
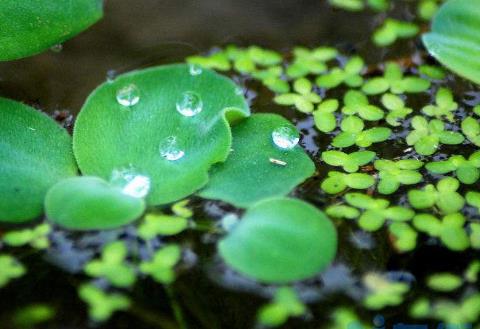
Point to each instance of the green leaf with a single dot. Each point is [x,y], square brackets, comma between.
[453,40]
[161,267]
[392,30]
[342,211]
[36,153]
[30,27]
[102,305]
[284,305]
[165,122]
[111,266]
[158,224]
[444,282]
[265,245]
[258,168]
[405,237]
[36,237]
[88,203]
[10,269]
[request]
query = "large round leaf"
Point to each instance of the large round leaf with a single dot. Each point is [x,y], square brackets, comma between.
[35,153]
[88,203]
[280,240]
[27,27]
[110,135]
[454,40]
[257,168]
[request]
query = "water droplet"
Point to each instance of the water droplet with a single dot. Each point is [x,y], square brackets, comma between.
[189,104]
[111,76]
[131,183]
[195,69]
[128,95]
[170,150]
[285,137]
[57,48]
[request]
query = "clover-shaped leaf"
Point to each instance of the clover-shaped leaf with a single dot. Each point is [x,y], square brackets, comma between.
[377,211]
[405,237]
[265,162]
[36,237]
[394,80]
[427,136]
[467,171]
[337,182]
[310,61]
[471,130]
[392,174]
[396,107]
[10,269]
[444,196]
[159,224]
[393,29]
[353,133]
[266,243]
[444,107]
[112,266]
[357,103]
[271,77]
[247,60]
[432,72]
[303,99]
[450,229]
[89,203]
[161,267]
[349,162]
[382,292]
[324,116]
[285,304]
[216,61]
[342,211]
[165,122]
[101,305]
[350,75]
[453,41]
[30,27]
[36,153]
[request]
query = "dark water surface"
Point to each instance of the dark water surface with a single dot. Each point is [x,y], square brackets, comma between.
[141,33]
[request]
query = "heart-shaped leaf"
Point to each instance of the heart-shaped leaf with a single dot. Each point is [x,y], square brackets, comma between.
[30,27]
[259,168]
[90,203]
[169,123]
[280,240]
[454,40]
[36,153]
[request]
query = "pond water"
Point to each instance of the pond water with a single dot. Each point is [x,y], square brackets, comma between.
[144,33]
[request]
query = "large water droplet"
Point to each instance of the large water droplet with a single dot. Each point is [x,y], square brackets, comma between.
[194,69]
[285,137]
[189,104]
[131,183]
[128,95]
[170,150]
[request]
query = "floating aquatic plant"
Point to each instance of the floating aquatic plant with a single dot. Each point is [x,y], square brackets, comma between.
[285,304]
[161,266]
[392,30]
[349,75]
[471,130]
[392,174]
[10,269]
[444,196]
[36,237]
[310,61]
[337,182]
[444,107]
[324,115]
[304,99]
[444,282]
[355,102]
[427,136]
[159,224]
[349,162]
[353,133]
[467,171]
[101,305]
[266,161]
[404,236]
[266,243]
[396,107]
[383,292]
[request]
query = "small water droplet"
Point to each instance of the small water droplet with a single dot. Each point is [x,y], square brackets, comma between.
[128,95]
[195,69]
[111,76]
[57,48]
[131,183]
[285,137]
[170,150]
[189,104]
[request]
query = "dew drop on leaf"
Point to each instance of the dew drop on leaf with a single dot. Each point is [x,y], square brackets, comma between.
[189,104]
[128,95]
[285,137]
[170,150]
[131,183]
[194,69]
